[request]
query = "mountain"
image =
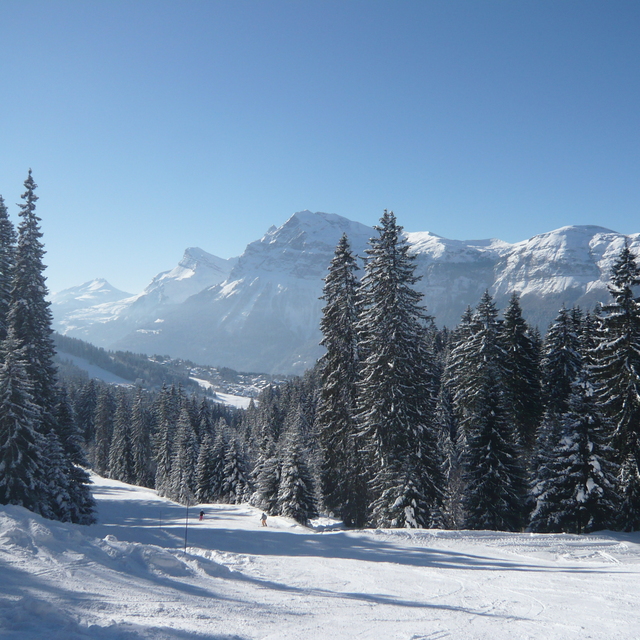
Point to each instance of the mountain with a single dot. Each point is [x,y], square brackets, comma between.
[105,320]
[261,311]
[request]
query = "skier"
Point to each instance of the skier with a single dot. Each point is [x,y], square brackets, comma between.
[263,519]
[201,516]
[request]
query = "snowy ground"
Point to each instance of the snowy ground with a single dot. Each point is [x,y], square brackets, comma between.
[128,577]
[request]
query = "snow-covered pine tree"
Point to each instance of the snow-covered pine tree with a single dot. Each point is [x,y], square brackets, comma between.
[616,372]
[205,469]
[522,380]
[266,478]
[30,313]
[578,495]
[141,449]
[235,485]
[296,494]
[121,465]
[81,506]
[103,422]
[342,476]
[7,257]
[85,411]
[489,445]
[166,419]
[561,361]
[23,479]
[184,460]
[395,399]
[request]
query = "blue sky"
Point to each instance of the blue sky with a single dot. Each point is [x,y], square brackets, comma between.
[152,126]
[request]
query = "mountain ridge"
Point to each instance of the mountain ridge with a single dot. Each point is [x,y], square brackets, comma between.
[261,311]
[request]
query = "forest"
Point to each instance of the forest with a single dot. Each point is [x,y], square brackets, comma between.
[488,425]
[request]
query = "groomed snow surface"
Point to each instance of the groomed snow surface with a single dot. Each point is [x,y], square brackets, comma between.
[128,577]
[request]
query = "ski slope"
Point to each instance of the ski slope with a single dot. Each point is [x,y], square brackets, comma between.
[128,577]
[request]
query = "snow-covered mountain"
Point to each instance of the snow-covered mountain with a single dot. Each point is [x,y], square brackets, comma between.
[79,312]
[261,311]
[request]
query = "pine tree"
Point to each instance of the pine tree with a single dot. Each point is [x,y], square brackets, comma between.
[235,484]
[616,372]
[30,313]
[266,478]
[105,410]
[342,475]
[85,411]
[489,445]
[579,492]
[296,496]
[141,449]
[205,471]
[395,402]
[121,464]
[522,380]
[22,474]
[166,419]
[7,258]
[184,460]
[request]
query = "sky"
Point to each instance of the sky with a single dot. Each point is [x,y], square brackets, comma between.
[153,126]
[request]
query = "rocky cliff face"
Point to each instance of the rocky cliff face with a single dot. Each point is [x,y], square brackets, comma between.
[261,311]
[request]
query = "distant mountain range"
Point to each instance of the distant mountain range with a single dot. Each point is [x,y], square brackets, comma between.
[260,312]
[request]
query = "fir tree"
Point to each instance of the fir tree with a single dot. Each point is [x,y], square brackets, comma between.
[182,480]
[296,496]
[395,400]
[342,475]
[121,465]
[492,466]
[522,379]
[141,449]
[579,492]
[22,474]
[30,313]
[616,372]
[105,409]
[235,484]
[7,258]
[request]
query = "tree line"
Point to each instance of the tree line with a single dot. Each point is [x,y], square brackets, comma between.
[399,424]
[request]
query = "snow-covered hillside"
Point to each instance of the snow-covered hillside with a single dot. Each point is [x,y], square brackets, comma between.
[263,313]
[129,577]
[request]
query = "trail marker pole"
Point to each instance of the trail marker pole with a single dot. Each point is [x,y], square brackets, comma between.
[186,527]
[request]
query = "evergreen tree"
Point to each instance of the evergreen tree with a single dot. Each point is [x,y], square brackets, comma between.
[266,478]
[105,409]
[121,464]
[489,445]
[141,449]
[166,419]
[205,471]
[296,496]
[30,313]
[395,400]
[85,411]
[522,380]
[7,258]
[22,474]
[617,375]
[235,484]
[579,492]
[342,475]
[182,479]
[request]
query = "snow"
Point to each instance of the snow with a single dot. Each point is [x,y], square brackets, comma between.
[128,577]
[240,402]
[93,370]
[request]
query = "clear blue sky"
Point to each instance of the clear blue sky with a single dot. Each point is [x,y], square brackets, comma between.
[156,125]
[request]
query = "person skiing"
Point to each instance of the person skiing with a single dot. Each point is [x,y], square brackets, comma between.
[263,519]
[201,515]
